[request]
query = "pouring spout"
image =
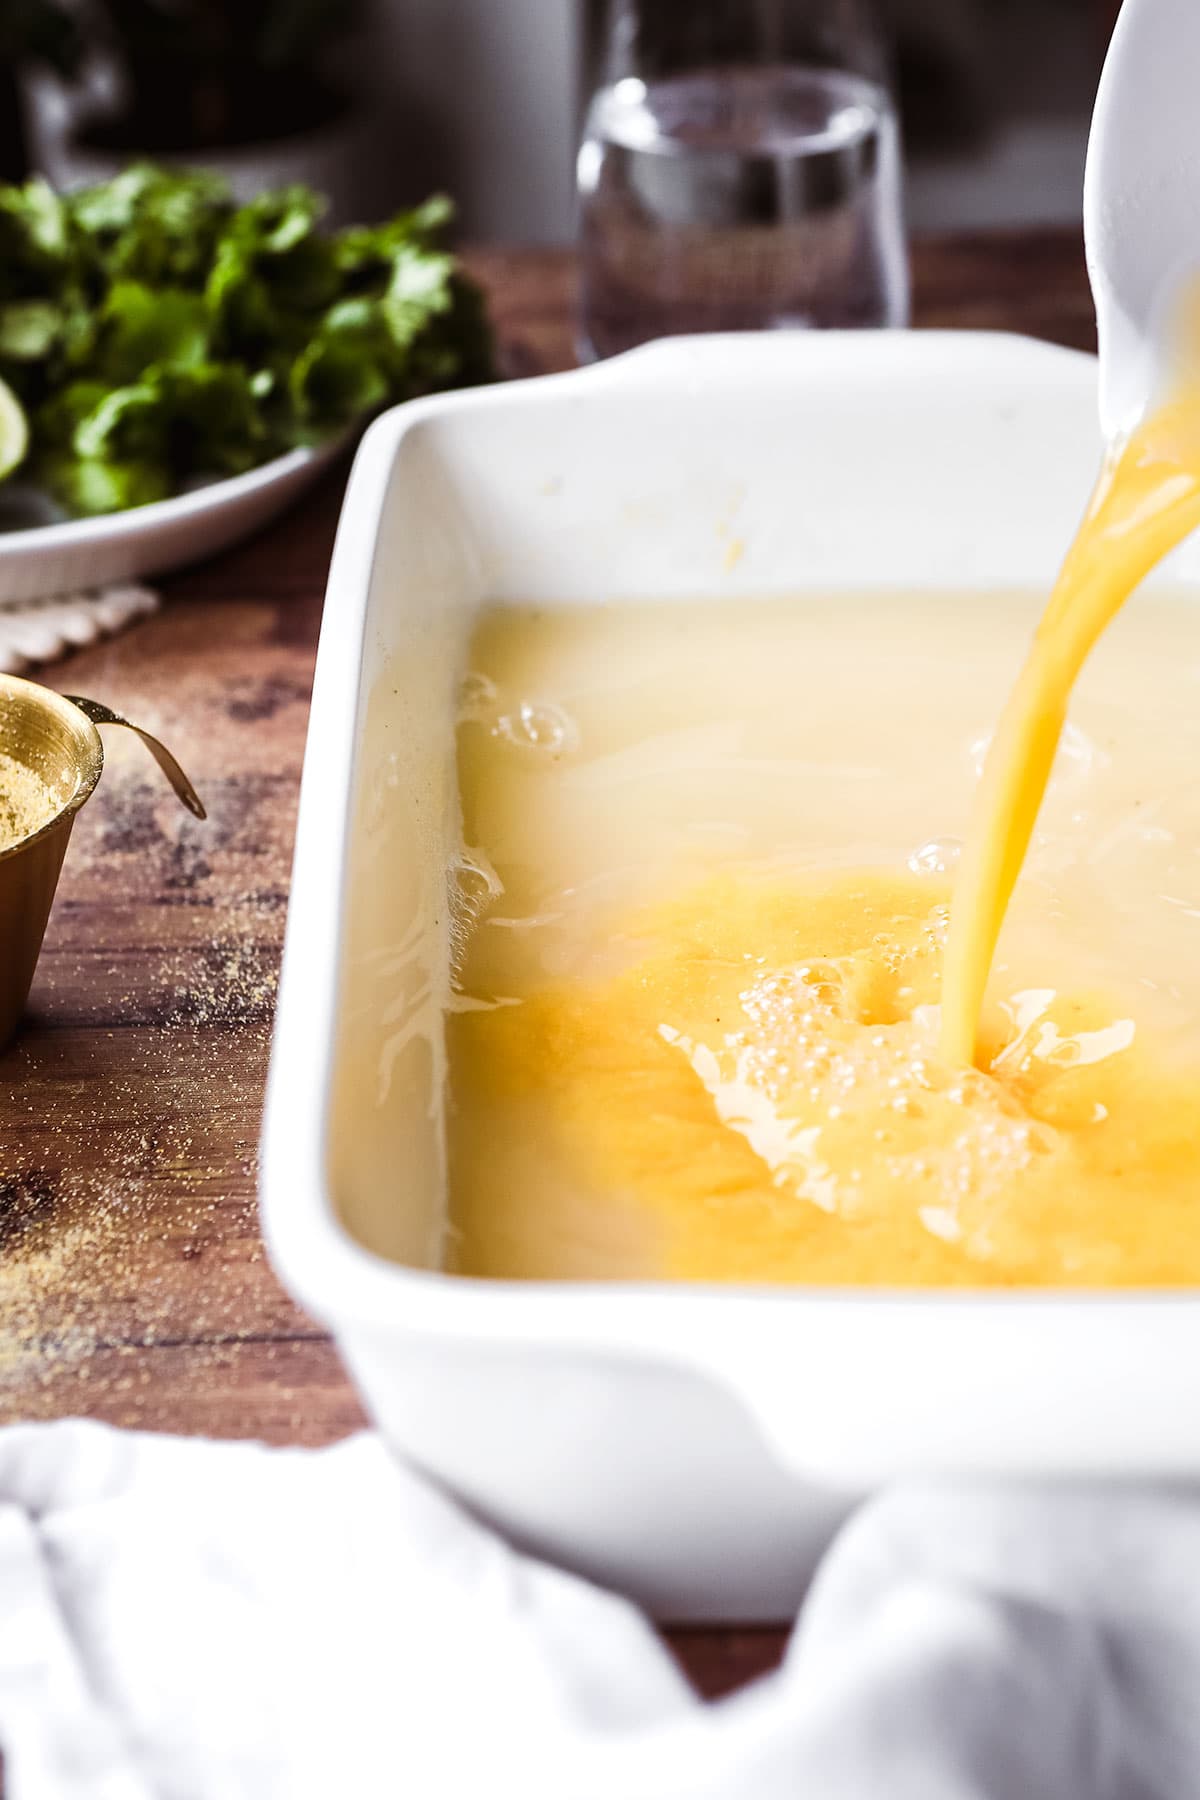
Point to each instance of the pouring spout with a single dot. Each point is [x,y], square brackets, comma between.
[104,715]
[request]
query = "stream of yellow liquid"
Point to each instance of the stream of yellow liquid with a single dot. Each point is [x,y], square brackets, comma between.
[1146,502]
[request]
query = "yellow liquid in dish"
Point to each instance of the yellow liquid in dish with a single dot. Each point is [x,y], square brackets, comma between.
[1146,502]
[700,934]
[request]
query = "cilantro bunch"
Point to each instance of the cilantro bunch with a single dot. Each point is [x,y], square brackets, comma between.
[155,332]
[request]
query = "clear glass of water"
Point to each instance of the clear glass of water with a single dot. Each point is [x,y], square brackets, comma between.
[739,170]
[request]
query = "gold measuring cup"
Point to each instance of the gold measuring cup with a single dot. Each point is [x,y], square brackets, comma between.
[54,735]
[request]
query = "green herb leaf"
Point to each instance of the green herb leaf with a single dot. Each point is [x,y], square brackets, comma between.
[129,424]
[86,487]
[156,333]
[29,329]
[334,381]
[142,325]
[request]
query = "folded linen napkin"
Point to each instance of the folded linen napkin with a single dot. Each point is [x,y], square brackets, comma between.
[186,1620]
[41,631]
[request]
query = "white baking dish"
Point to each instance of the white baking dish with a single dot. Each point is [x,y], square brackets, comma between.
[693,1446]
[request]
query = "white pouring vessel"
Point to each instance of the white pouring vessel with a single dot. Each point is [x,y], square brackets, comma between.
[1141,201]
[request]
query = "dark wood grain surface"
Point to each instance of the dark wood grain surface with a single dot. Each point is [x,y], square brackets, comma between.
[133,1285]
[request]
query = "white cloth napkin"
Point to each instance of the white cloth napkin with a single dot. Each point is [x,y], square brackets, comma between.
[40,631]
[198,1621]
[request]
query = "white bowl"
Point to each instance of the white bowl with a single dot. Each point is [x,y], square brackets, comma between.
[691,1445]
[81,554]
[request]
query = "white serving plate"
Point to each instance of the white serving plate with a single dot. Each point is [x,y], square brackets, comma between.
[693,1446]
[80,554]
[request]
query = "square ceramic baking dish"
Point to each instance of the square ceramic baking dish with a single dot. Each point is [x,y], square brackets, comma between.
[693,1446]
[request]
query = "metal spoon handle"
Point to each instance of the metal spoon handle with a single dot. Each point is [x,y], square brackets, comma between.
[104,715]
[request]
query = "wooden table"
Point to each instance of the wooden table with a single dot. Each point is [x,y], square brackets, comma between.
[133,1285]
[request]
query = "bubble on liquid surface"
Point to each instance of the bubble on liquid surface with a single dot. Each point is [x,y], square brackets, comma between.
[977,751]
[473,885]
[942,1222]
[539,726]
[938,857]
[1078,757]
[476,872]
[478,697]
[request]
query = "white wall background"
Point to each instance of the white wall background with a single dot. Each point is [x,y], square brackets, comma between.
[482,100]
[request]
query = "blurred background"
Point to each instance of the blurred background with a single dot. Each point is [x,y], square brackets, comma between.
[378,101]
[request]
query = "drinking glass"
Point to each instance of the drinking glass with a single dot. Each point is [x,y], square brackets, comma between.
[739,169]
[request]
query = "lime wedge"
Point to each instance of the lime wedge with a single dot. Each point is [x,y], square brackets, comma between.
[14,431]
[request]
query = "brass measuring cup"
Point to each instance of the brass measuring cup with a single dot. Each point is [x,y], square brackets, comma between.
[55,735]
